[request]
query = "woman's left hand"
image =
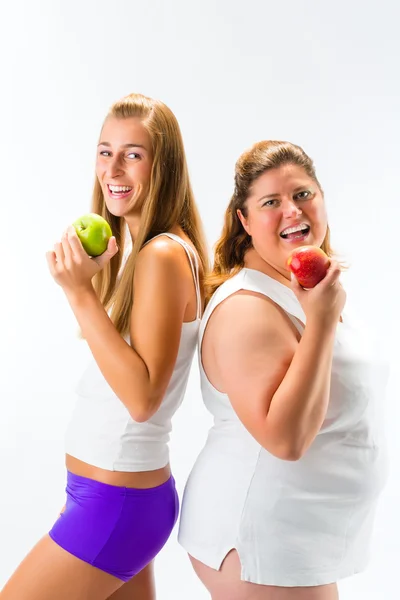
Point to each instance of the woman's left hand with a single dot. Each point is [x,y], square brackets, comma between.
[70,265]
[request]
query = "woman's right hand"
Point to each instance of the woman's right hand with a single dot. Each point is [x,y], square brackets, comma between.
[324,302]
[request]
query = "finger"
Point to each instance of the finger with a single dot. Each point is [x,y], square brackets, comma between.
[51,262]
[296,287]
[75,243]
[59,252]
[111,251]
[333,273]
[66,248]
[112,246]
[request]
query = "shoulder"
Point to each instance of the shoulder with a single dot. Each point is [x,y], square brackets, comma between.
[161,248]
[229,287]
[241,313]
[248,333]
[160,254]
[251,311]
[162,262]
[238,298]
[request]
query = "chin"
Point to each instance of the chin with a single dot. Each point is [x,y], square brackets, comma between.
[115,212]
[118,209]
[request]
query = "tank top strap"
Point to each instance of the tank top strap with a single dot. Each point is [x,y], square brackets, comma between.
[256,281]
[193,261]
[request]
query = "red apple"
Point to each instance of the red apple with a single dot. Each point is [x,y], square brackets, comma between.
[309,264]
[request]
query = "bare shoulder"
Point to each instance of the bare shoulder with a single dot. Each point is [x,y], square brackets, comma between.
[245,333]
[161,248]
[162,257]
[250,316]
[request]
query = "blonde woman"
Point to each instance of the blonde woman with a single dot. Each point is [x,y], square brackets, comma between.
[140,319]
[280,503]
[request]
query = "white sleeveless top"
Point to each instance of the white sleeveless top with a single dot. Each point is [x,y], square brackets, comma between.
[293,523]
[102,432]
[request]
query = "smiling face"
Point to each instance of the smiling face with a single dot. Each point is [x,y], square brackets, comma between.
[123,165]
[285,210]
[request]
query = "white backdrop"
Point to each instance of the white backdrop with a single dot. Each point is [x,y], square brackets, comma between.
[323,75]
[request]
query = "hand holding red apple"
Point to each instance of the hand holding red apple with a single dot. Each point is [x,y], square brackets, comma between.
[324,298]
[309,264]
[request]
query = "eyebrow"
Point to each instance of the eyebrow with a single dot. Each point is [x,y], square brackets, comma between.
[268,196]
[123,146]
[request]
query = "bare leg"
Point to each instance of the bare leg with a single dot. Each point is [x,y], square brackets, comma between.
[49,572]
[226,584]
[141,587]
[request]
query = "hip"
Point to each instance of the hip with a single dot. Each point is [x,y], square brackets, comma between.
[324,473]
[116,529]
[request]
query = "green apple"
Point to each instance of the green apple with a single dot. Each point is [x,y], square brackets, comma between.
[94,233]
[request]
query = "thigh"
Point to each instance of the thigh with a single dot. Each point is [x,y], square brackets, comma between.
[226,583]
[140,587]
[50,572]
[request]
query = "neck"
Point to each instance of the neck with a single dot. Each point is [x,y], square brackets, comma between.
[253,260]
[133,223]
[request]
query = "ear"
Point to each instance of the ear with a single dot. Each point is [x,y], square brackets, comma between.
[243,221]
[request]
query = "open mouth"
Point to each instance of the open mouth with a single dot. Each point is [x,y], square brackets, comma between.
[119,191]
[296,233]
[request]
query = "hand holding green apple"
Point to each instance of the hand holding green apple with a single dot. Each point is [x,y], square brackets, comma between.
[85,248]
[93,232]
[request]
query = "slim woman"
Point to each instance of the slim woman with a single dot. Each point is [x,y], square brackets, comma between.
[139,313]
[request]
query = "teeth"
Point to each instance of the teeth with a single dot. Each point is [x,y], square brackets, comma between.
[294,229]
[119,188]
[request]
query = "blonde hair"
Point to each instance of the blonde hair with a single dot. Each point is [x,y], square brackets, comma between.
[168,202]
[231,247]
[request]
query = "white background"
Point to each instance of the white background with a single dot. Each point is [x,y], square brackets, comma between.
[321,74]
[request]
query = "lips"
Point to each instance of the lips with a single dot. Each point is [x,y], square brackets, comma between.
[295,231]
[119,191]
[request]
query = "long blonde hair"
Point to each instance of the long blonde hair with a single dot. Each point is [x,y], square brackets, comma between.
[169,201]
[231,247]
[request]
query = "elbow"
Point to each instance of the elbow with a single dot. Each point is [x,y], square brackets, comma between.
[289,452]
[292,454]
[139,416]
[285,444]
[141,412]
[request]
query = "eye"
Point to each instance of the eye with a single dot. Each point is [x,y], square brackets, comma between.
[270,202]
[304,195]
[133,155]
[105,153]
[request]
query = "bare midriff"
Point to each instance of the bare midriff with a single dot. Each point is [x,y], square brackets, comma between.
[142,479]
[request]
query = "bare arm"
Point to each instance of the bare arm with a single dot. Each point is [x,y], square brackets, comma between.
[279,387]
[299,406]
[139,373]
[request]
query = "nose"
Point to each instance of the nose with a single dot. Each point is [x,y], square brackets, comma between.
[290,209]
[114,167]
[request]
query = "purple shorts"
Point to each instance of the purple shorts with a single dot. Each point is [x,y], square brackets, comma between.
[116,529]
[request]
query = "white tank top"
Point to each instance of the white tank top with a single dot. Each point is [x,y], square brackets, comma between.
[102,432]
[293,523]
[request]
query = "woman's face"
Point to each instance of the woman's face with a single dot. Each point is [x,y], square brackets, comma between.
[123,165]
[285,210]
